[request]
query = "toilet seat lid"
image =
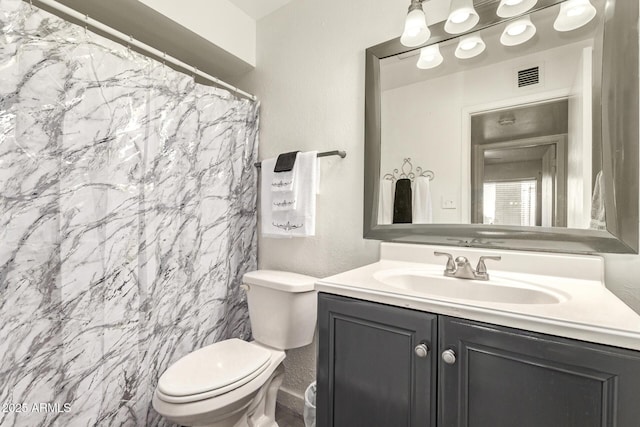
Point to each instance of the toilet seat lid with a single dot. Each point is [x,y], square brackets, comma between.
[213,367]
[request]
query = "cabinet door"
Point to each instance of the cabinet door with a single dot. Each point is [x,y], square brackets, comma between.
[509,378]
[368,372]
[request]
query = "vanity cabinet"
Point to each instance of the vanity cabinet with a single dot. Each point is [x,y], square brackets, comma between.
[474,374]
[370,369]
[504,377]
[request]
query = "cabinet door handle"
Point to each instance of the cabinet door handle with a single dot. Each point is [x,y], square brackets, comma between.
[421,350]
[449,356]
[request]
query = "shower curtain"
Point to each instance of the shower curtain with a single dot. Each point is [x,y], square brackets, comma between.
[127,219]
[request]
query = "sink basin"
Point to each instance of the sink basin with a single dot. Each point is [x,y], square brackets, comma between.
[433,284]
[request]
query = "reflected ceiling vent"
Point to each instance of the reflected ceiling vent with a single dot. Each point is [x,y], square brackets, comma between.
[529,76]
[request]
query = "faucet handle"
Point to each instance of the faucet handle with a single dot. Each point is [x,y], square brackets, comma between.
[451,266]
[482,268]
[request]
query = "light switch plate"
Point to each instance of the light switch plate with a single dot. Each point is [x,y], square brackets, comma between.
[448,203]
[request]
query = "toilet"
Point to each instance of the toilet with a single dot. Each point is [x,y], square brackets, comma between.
[234,383]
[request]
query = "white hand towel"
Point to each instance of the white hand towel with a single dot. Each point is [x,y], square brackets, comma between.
[283,201]
[598,217]
[284,189]
[283,181]
[301,221]
[421,203]
[266,199]
[385,201]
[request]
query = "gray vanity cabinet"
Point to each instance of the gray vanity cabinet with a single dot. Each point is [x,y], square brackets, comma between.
[474,374]
[503,377]
[375,365]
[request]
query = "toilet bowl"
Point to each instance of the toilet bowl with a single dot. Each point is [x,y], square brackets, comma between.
[234,383]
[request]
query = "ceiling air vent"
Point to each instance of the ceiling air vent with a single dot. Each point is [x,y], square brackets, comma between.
[529,77]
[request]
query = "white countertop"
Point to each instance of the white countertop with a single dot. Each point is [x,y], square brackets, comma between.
[587,311]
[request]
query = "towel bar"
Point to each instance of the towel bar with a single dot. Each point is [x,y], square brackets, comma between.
[340,153]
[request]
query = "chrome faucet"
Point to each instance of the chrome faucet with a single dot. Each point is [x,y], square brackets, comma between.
[461,268]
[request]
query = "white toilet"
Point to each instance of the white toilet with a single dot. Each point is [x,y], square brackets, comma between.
[234,383]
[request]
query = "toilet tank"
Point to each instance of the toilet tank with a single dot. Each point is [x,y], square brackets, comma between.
[282,308]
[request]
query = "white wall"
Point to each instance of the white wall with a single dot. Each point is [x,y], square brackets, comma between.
[310,80]
[309,77]
[219,21]
[424,121]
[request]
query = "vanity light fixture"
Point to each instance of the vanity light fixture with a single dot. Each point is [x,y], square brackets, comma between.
[518,32]
[470,46]
[430,57]
[509,8]
[462,17]
[574,14]
[415,31]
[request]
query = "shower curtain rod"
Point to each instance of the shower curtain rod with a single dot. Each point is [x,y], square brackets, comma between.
[89,22]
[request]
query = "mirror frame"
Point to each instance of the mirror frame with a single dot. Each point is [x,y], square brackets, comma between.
[615,128]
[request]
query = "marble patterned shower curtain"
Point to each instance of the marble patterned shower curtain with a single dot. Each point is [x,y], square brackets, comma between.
[127,218]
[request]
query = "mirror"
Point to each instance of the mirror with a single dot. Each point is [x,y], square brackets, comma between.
[533,146]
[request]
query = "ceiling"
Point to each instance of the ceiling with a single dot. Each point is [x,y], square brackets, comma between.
[544,118]
[258,9]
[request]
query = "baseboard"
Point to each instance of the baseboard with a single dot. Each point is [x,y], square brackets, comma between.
[291,400]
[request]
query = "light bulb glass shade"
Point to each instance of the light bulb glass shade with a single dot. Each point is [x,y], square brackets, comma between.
[574,14]
[518,32]
[430,57]
[509,8]
[516,29]
[462,17]
[470,46]
[415,31]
